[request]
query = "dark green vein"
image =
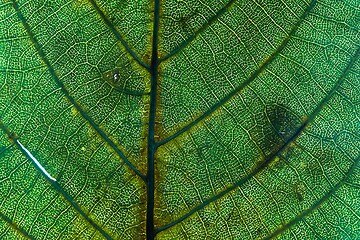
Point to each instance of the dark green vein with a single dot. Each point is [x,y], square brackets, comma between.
[15,226]
[269,159]
[316,205]
[67,95]
[79,210]
[200,30]
[150,177]
[343,181]
[244,84]
[118,35]
[2,150]
[237,184]
[12,137]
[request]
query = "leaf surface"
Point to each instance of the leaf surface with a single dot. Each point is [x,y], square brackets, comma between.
[172,119]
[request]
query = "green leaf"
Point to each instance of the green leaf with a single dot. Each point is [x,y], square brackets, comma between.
[175,119]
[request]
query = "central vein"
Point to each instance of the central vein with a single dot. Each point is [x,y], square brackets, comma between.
[150,179]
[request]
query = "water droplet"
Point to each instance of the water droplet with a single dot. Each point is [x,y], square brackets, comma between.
[116,77]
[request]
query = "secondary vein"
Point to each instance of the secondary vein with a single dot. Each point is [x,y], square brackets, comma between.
[237,184]
[53,182]
[269,159]
[314,206]
[244,84]
[118,35]
[200,30]
[68,96]
[16,227]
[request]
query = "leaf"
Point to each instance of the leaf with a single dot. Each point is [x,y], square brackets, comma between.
[179,119]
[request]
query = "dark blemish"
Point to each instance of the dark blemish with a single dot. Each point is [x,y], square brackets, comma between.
[299,196]
[299,188]
[276,128]
[230,215]
[283,120]
[12,136]
[185,20]
[147,58]
[281,124]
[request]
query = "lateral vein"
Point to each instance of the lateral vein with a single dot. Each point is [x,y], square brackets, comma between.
[53,181]
[200,30]
[68,96]
[15,226]
[308,211]
[269,159]
[244,84]
[34,160]
[118,35]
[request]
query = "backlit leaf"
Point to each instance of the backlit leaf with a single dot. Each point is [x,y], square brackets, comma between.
[174,119]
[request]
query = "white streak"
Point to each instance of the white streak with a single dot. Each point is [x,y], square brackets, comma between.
[36,161]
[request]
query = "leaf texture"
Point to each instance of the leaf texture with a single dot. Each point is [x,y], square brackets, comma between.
[171,119]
